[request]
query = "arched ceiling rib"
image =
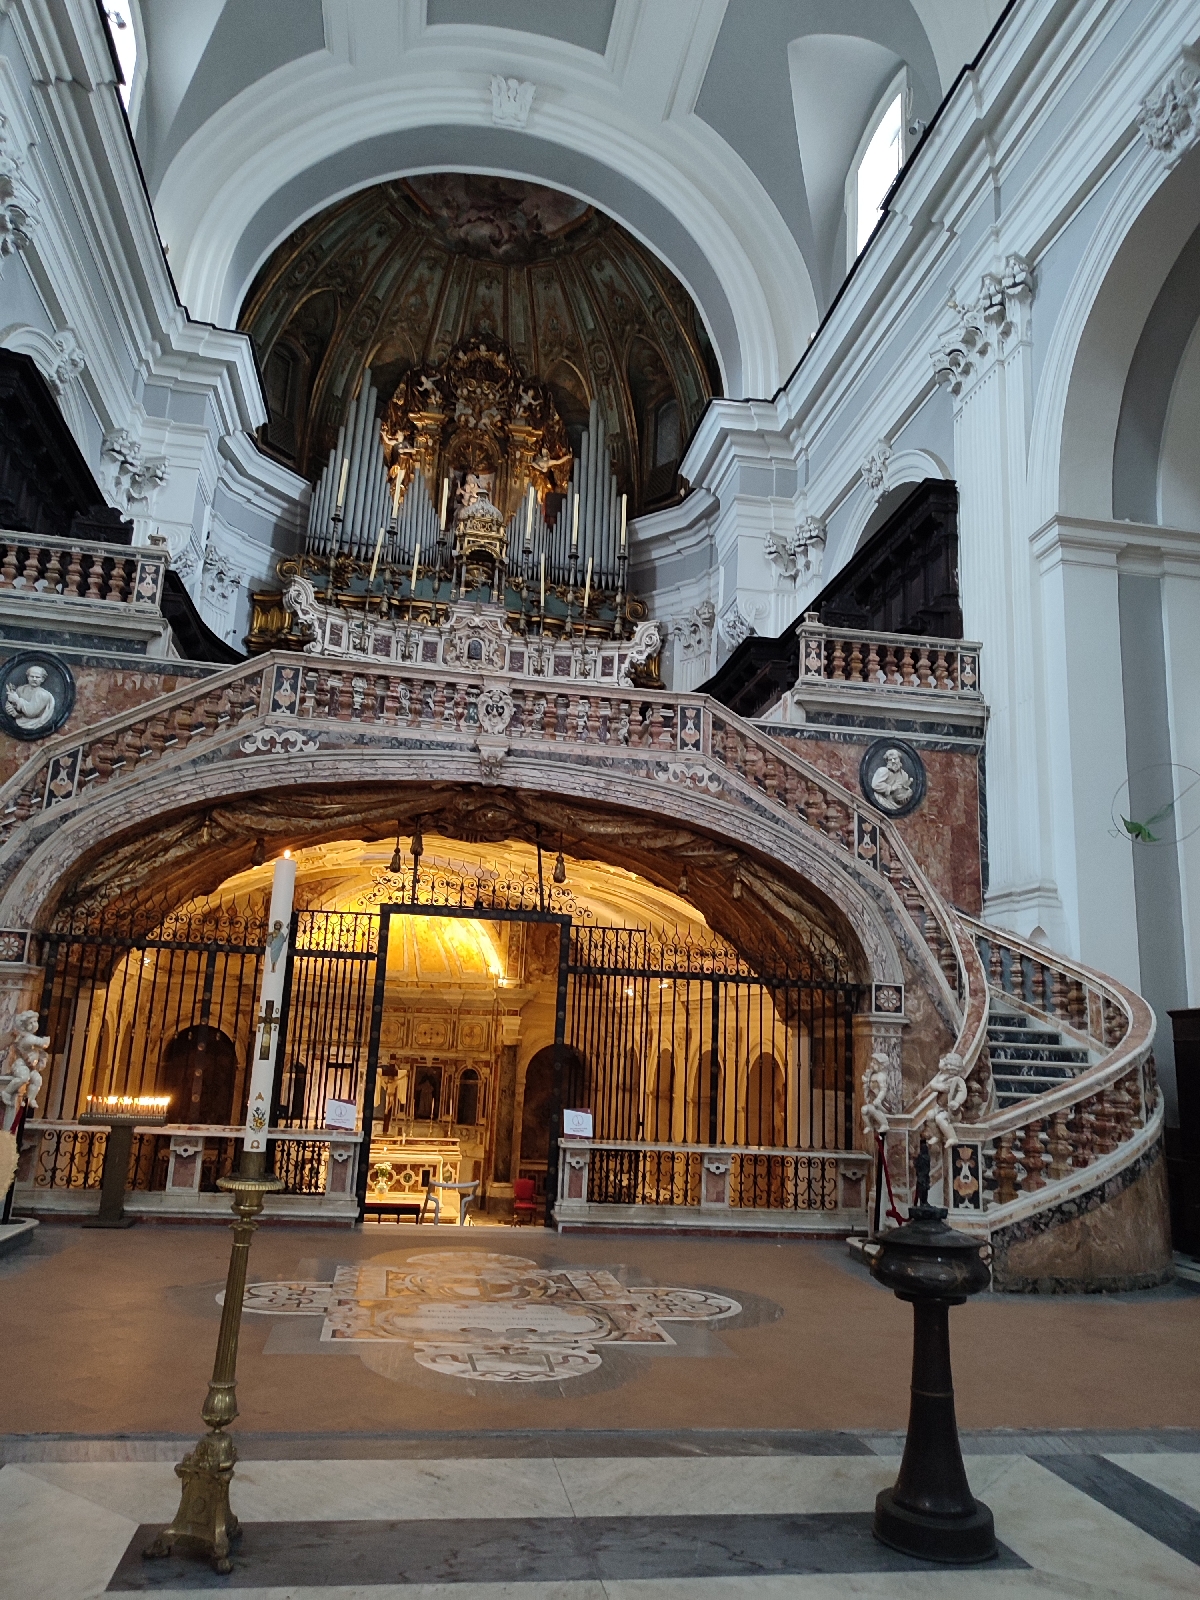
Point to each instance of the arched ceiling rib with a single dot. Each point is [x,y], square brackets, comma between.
[249,127]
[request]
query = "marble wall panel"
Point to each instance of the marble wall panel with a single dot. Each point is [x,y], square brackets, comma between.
[943,832]
[102,691]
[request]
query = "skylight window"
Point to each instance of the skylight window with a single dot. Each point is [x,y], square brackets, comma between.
[881,161]
[120,25]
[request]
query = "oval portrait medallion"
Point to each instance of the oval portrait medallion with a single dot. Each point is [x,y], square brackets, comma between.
[37,692]
[892,777]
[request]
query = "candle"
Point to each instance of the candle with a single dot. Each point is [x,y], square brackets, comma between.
[342,484]
[622,524]
[396,494]
[587,586]
[575,525]
[529,519]
[445,498]
[412,582]
[542,565]
[378,548]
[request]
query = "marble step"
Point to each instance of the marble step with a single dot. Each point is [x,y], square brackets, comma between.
[1065,1055]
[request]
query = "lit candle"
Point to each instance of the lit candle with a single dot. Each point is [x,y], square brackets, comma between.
[378,548]
[412,582]
[542,565]
[342,483]
[587,586]
[445,498]
[575,525]
[622,524]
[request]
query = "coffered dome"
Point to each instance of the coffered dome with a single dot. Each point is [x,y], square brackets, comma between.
[396,276]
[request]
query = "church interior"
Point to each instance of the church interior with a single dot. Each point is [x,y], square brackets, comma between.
[599,792]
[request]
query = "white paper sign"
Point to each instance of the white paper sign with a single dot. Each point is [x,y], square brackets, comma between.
[577,1124]
[341,1114]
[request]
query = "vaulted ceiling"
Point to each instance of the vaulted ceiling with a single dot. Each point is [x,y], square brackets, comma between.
[719,132]
[396,276]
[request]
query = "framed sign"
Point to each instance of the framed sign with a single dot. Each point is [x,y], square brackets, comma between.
[577,1124]
[341,1114]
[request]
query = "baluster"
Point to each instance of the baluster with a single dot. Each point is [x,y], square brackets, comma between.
[924,675]
[874,675]
[1059,994]
[995,965]
[895,674]
[1077,1008]
[1104,1126]
[1060,1146]
[656,724]
[1121,1110]
[95,577]
[74,574]
[31,571]
[942,669]
[908,677]
[855,662]
[118,581]
[8,569]
[1004,1167]
[1080,1127]
[1032,1157]
[839,661]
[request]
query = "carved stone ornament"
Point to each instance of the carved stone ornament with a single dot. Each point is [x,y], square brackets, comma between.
[646,643]
[733,626]
[495,707]
[694,630]
[1170,117]
[892,776]
[37,693]
[984,330]
[511,101]
[874,468]
[278,741]
[474,641]
[133,478]
[18,201]
[799,554]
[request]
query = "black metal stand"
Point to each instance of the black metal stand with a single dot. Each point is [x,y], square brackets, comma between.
[116,1168]
[930,1512]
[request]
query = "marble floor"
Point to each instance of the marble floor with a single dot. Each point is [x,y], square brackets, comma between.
[695,1520]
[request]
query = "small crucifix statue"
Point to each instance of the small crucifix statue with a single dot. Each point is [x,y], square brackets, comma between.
[268,1022]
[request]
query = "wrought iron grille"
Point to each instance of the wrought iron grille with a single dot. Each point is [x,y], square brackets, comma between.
[324,1047]
[681,1042]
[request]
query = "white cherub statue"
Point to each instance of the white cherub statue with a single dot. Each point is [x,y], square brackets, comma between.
[949,1084]
[20,1082]
[875,1088]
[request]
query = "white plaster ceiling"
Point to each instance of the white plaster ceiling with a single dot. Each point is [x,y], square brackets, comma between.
[719,132]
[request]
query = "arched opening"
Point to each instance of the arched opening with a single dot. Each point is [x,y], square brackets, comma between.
[199,1072]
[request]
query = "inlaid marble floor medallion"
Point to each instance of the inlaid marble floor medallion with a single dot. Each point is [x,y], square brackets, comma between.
[484,1316]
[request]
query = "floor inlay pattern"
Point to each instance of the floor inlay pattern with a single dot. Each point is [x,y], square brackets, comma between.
[490,1317]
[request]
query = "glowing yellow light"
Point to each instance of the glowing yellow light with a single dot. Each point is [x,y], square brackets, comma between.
[131,1102]
[287,855]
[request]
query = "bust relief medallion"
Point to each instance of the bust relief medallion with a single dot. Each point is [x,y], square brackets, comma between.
[37,693]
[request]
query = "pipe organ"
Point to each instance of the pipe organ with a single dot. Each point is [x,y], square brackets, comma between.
[464,488]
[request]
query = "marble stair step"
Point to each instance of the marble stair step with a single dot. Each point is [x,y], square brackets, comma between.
[1063,1055]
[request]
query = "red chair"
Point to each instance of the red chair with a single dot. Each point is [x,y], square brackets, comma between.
[525,1203]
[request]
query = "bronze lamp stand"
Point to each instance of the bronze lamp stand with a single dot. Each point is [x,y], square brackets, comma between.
[204,1524]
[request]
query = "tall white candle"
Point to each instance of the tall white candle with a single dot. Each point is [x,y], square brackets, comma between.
[375,559]
[270,1004]
[623,524]
[529,518]
[575,525]
[341,499]
[587,587]
[542,565]
[412,582]
[396,494]
[445,498]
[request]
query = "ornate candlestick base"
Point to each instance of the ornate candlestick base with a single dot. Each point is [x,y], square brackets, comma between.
[204,1525]
[930,1512]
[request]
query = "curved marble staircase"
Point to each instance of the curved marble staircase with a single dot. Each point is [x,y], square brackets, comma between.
[1063,1113]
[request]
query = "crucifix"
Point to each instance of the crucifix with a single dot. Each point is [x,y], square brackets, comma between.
[268,1022]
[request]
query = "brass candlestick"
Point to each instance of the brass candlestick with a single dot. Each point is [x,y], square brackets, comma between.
[204,1523]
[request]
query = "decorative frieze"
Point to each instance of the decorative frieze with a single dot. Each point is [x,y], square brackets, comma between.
[1170,117]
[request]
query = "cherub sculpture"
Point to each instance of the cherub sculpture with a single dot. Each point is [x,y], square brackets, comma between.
[875,1088]
[949,1084]
[20,1082]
